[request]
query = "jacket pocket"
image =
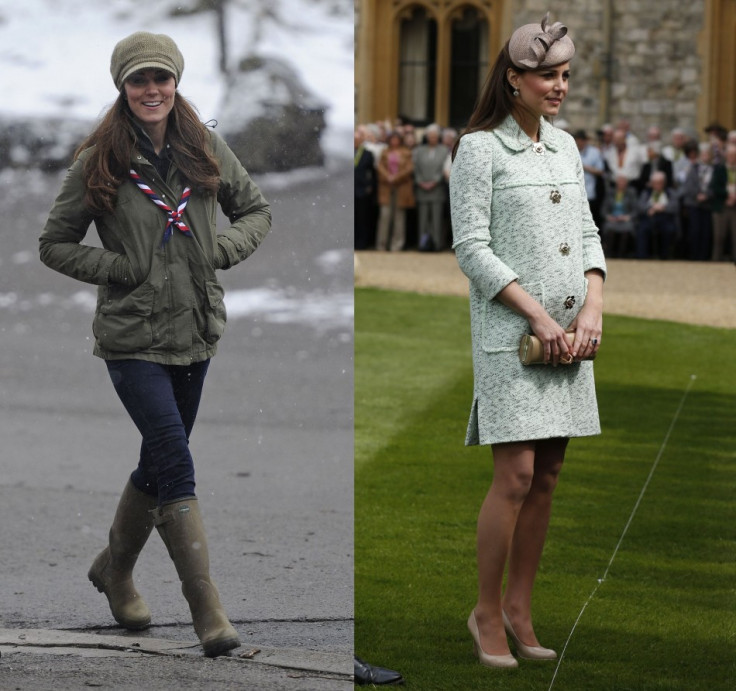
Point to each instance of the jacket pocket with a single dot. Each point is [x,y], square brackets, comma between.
[502,328]
[216,315]
[122,323]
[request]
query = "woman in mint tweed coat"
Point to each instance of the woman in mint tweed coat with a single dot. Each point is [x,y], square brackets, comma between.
[524,236]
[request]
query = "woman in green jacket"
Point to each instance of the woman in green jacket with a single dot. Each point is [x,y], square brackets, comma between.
[150,177]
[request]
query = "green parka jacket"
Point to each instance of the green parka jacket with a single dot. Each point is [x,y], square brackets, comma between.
[162,304]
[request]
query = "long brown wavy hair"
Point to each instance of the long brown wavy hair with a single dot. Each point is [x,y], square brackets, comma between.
[495,101]
[114,140]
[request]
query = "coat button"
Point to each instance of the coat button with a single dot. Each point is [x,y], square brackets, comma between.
[569,302]
[564,249]
[555,196]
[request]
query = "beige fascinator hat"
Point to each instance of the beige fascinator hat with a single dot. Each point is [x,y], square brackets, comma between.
[532,46]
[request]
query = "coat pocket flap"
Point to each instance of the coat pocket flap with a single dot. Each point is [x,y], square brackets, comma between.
[502,327]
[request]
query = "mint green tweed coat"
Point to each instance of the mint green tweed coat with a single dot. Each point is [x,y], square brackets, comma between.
[522,215]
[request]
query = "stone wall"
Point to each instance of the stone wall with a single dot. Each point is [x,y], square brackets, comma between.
[654,63]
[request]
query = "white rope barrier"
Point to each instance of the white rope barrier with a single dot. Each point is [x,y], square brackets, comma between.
[602,580]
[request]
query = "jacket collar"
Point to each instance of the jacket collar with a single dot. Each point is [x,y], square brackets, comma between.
[144,145]
[514,138]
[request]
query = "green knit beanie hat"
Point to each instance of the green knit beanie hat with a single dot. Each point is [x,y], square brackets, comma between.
[141,51]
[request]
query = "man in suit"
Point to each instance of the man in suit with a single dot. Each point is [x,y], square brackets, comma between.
[658,207]
[431,191]
[365,186]
[655,161]
[594,170]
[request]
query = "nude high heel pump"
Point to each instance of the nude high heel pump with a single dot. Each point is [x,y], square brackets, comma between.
[528,652]
[503,661]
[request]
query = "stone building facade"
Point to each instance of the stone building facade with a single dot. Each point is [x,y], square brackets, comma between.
[670,63]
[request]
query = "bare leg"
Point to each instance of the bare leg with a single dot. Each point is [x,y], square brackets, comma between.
[529,537]
[513,470]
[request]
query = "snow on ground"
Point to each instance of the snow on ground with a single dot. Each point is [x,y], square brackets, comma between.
[55,54]
[318,310]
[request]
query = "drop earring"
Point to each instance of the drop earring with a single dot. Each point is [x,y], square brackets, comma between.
[516,93]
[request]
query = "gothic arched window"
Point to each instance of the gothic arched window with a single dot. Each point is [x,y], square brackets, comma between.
[417,67]
[468,63]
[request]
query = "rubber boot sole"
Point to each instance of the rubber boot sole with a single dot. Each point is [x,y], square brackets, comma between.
[137,625]
[220,646]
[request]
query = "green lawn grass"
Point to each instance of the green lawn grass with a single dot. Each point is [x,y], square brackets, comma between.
[664,618]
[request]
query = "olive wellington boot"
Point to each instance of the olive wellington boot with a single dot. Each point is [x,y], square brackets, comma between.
[112,571]
[180,526]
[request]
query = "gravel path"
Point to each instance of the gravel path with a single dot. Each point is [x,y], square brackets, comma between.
[693,292]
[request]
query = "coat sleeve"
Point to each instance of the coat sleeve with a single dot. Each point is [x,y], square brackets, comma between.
[406,170]
[688,191]
[419,160]
[471,191]
[673,202]
[60,243]
[718,187]
[242,202]
[382,167]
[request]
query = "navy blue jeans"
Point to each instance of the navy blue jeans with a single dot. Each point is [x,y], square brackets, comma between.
[162,401]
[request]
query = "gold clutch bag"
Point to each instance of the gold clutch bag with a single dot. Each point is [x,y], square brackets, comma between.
[531,350]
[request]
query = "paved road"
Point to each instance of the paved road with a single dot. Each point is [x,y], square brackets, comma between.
[272,447]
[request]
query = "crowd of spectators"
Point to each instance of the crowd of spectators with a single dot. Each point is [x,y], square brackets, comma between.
[401,176]
[650,199]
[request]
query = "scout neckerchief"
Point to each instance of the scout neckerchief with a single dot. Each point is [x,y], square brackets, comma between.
[175,217]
